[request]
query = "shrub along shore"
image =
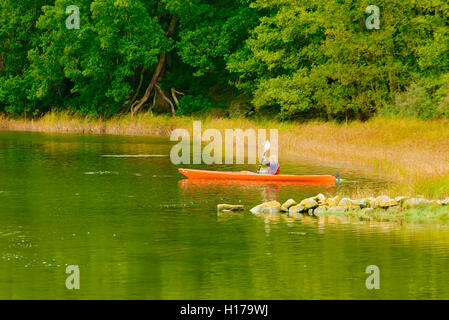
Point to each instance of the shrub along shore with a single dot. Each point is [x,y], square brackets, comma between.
[382,208]
[415,153]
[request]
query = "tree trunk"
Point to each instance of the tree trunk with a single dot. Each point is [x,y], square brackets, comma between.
[138,104]
[137,90]
[157,73]
[175,99]
[166,99]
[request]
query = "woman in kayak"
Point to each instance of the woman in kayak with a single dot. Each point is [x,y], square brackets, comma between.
[272,164]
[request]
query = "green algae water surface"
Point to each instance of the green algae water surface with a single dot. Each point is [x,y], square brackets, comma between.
[138,230]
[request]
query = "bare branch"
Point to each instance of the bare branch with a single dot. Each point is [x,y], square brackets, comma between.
[166,99]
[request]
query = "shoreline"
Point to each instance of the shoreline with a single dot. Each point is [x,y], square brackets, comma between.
[383,208]
[345,210]
[414,152]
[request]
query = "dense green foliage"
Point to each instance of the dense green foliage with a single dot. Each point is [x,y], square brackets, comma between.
[317,58]
[295,58]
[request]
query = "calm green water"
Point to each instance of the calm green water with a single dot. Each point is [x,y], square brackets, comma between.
[138,230]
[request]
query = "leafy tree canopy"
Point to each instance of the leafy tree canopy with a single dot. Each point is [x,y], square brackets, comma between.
[296,58]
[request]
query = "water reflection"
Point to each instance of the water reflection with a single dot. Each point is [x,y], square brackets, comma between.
[251,191]
[146,233]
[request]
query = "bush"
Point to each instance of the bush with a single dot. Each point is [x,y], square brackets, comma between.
[443,104]
[413,103]
[191,104]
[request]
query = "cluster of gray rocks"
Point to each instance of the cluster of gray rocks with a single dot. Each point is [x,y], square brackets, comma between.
[319,205]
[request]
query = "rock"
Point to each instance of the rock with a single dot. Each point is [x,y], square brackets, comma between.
[337,209]
[318,212]
[310,212]
[445,202]
[267,207]
[413,202]
[363,203]
[368,201]
[383,202]
[332,202]
[296,209]
[401,200]
[320,198]
[348,204]
[229,207]
[309,203]
[287,204]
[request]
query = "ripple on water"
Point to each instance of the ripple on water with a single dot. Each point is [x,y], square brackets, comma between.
[101,172]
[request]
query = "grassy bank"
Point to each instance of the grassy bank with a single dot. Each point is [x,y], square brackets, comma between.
[414,152]
[439,215]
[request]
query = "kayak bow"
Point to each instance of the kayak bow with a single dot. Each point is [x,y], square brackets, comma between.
[249,175]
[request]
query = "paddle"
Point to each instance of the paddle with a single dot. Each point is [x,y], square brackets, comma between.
[266,148]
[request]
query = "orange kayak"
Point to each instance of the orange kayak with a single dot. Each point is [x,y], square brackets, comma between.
[249,175]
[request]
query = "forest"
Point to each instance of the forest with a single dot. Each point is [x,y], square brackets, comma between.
[288,59]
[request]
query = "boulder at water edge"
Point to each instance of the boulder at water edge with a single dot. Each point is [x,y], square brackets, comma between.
[384,202]
[296,209]
[337,209]
[401,200]
[349,204]
[332,202]
[309,203]
[229,207]
[287,204]
[363,203]
[320,198]
[267,207]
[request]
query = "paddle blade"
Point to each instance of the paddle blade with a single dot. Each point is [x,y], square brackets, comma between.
[267,146]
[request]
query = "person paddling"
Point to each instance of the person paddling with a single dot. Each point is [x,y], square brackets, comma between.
[272,164]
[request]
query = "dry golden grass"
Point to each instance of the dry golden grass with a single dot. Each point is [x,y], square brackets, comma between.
[415,152]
